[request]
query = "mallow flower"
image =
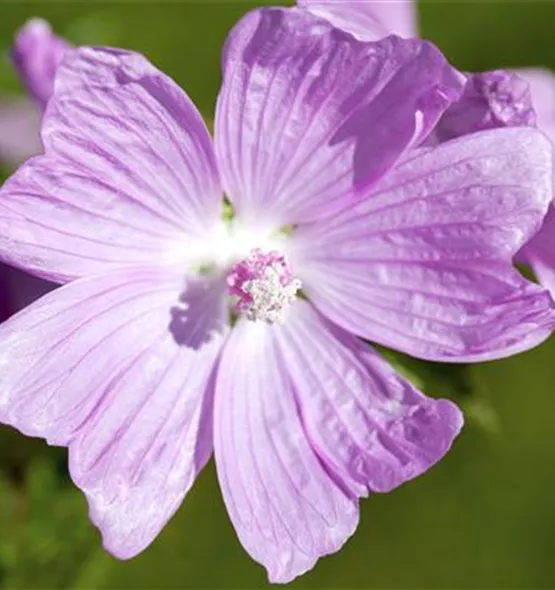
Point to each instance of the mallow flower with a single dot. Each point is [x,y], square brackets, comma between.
[490,100]
[180,331]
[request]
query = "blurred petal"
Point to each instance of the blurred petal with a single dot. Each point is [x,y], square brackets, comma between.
[490,100]
[286,507]
[101,365]
[308,118]
[36,54]
[368,20]
[129,175]
[367,423]
[424,264]
[19,131]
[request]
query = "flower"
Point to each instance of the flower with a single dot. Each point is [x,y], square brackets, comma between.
[340,231]
[490,100]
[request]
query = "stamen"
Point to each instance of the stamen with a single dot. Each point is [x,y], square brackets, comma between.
[263,286]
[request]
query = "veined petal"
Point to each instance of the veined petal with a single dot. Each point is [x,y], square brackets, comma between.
[36,54]
[490,100]
[129,175]
[368,20]
[308,117]
[286,507]
[117,367]
[368,424]
[424,265]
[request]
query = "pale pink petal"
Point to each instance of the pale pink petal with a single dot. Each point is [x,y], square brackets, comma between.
[129,175]
[308,118]
[286,507]
[368,424]
[19,131]
[368,20]
[539,253]
[423,265]
[118,368]
[542,87]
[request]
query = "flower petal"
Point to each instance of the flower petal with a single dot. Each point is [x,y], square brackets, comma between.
[539,253]
[19,131]
[424,265]
[117,367]
[490,100]
[286,508]
[367,20]
[367,423]
[36,54]
[542,88]
[129,175]
[308,118]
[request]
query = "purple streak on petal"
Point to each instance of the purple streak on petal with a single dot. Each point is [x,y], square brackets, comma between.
[286,508]
[365,19]
[490,100]
[308,118]
[129,175]
[424,264]
[36,54]
[371,426]
[95,366]
[19,131]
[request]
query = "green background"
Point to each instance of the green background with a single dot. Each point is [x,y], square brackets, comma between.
[483,518]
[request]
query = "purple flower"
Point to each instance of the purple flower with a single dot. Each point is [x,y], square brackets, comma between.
[340,230]
[490,100]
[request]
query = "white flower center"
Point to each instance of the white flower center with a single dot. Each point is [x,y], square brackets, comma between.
[263,286]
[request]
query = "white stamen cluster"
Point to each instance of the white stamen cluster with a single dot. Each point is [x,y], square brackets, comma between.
[270,298]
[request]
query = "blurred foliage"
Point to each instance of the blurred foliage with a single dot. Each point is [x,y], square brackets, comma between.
[482,518]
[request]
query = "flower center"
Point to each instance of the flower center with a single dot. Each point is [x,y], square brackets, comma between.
[263,286]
